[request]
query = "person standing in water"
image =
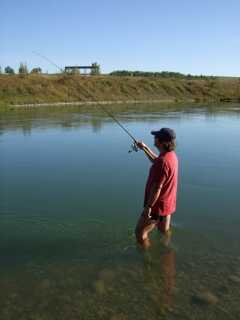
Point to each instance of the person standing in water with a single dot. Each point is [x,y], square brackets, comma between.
[161,186]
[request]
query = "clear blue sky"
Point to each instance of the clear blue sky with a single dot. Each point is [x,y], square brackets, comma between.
[189,36]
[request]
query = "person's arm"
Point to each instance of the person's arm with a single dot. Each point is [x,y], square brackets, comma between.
[160,176]
[152,199]
[149,153]
[154,195]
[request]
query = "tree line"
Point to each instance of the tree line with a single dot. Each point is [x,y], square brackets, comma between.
[162,74]
[23,69]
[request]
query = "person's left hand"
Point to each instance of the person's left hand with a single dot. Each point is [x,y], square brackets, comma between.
[147,212]
[141,145]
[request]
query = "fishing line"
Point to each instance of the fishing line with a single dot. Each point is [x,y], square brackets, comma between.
[47,59]
[134,146]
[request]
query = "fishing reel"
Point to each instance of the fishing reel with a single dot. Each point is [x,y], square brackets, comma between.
[134,147]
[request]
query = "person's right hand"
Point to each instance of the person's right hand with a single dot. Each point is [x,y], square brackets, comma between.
[141,145]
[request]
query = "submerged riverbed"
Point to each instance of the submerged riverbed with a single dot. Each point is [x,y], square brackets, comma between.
[70,195]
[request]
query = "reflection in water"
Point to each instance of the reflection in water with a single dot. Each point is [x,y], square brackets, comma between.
[160,273]
[75,117]
[169,272]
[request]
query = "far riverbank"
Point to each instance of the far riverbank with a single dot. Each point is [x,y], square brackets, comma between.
[63,90]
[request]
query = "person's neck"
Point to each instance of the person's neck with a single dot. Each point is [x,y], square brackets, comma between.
[162,151]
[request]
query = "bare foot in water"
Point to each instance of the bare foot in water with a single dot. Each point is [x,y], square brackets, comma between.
[146,244]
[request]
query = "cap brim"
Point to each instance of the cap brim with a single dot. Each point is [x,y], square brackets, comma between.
[154,133]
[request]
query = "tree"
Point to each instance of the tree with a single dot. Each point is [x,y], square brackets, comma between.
[23,68]
[36,70]
[0,70]
[96,69]
[9,70]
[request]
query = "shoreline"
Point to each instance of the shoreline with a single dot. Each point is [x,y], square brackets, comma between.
[119,102]
[101,102]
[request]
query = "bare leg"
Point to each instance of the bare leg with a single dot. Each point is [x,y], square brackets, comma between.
[167,237]
[143,228]
[164,226]
[167,223]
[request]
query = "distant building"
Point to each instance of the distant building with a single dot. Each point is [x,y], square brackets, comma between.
[94,69]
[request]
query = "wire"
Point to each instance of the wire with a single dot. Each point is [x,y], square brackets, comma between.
[43,57]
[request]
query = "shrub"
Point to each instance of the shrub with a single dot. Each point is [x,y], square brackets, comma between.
[96,70]
[9,70]
[36,70]
[23,68]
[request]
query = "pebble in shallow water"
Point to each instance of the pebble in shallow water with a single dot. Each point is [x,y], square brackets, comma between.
[119,316]
[45,284]
[235,279]
[100,287]
[106,275]
[205,298]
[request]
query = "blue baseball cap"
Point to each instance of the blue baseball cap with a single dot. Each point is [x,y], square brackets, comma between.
[165,134]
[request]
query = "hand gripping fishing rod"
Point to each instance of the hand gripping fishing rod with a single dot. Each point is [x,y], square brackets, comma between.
[134,146]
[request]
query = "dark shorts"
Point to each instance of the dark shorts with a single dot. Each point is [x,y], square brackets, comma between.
[156,217]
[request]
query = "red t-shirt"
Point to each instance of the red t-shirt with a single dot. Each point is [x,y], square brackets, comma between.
[164,172]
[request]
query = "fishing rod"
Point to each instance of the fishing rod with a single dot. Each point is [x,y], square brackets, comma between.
[134,146]
[46,58]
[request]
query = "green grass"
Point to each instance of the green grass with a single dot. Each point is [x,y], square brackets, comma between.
[15,89]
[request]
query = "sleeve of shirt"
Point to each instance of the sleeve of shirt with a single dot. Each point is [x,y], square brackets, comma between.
[160,173]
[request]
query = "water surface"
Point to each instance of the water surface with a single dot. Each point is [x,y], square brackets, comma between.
[70,195]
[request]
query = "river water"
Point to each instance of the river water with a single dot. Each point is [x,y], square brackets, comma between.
[70,196]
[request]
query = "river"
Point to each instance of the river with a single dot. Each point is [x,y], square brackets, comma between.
[70,196]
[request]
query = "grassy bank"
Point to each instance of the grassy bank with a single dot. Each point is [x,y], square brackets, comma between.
[15,89]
